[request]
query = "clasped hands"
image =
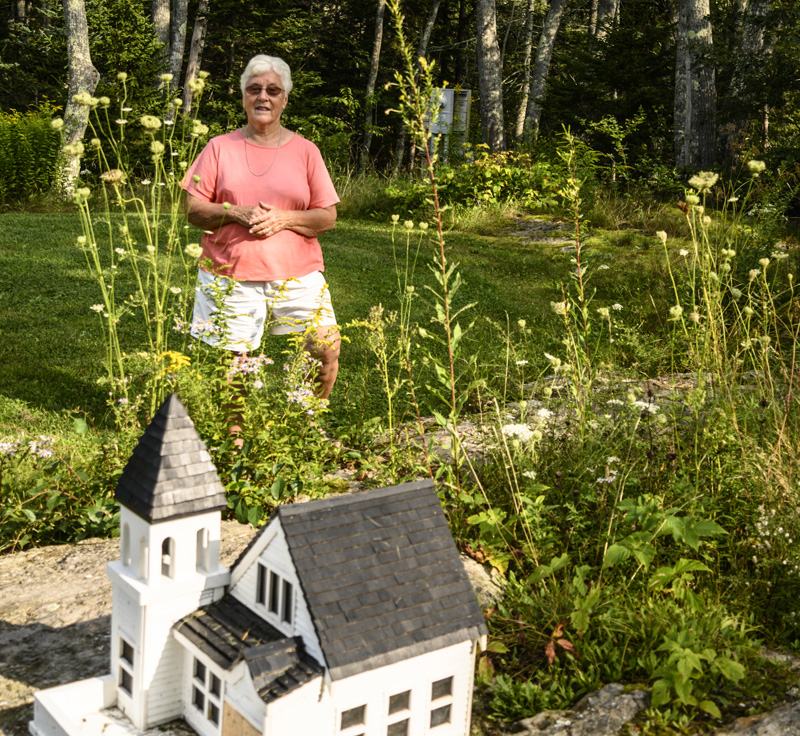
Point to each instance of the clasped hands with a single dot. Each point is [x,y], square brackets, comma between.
[265,220]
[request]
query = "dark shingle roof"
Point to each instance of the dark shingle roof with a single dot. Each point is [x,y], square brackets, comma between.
[170,473]
[227,632]
[381,576]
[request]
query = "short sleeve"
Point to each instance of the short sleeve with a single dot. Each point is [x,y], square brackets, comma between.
[323,193]
[201,178]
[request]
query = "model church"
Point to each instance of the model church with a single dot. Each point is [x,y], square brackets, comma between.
[348,616]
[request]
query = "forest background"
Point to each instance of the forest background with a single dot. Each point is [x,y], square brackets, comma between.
[628,368]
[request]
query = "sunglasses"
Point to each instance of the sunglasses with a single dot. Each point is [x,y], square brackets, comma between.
[255,91]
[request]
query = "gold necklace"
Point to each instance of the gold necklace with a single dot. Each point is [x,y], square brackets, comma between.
[277,148]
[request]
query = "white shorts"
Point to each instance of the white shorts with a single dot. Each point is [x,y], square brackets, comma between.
[287,306]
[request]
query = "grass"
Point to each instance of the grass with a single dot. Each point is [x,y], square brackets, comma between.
[682,497]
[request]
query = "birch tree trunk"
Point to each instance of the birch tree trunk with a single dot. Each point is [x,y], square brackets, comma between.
[422,50]
[752,55]
[369,102]
[527,50]
[490,76]
[83,77]
[695,93]
[159,9]
[195,52]
[607,11]
[541,67]
[180,19]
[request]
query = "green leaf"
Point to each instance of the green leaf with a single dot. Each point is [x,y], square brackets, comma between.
[80,425]
[710,708]
[254,515]
[660,694]
[729,668]
[277,488]
[29,514]
[615,554]
[708,528]
[496,646]
[645,555]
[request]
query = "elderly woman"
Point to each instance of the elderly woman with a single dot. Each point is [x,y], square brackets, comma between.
[263,194]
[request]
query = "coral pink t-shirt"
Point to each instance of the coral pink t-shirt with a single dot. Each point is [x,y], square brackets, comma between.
[296,179]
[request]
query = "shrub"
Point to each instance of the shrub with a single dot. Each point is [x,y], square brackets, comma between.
[29,151]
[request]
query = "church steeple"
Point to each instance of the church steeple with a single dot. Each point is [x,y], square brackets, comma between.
[170,474]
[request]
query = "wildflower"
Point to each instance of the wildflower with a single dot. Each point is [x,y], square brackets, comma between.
[96,143]
[703,181]
[83,193]
[196,85]
[555,362]
[226,206]
[610,478]
[104,101]
[84,99]
[97,307]
[157,147]
[779,255]
[616,307]
[560,308]
[198,129]
[175,290]
[726,267]
[127,109]
[649,408]
[692,199]
[145,182]
[733,199]
[518,431]
[676,311]
[196,178]
[113,176]
[258,384]
[522,362]
[544,413]
[765,340]
[121,121]
[615,402]
[612,459]
[756,167]
[56,123]
[736,293]
[119,251]
[683,252]
[728,252]
[695,317]
[662,236]
[763,262]
[603,267]
[408,224]
[74,149]
[423,226]
[151,249]
[81,240]
[748,311]
[122,76]
[753,275]
[166,77]
[604,312]
[529,474]
[193,250]
[123,400]
[150,122]
[522,323]
[395,218]
[706,220]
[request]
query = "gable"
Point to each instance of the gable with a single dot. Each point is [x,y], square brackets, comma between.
[381,576]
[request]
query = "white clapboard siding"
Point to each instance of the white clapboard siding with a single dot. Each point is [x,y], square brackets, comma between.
[303,712]
[275,554]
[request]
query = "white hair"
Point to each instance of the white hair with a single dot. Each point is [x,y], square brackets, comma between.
[261,64]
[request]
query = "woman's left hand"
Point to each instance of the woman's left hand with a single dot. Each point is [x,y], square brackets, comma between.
[267,221]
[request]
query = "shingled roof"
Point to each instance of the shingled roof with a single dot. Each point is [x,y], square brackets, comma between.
[170,473]
[381,576]
[228,632]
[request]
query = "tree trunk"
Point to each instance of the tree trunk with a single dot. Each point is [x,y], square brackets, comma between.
[607,11]
[180,19]
[527,50]
[750,64]
[461,42]
[195,52]
[695,94]
[593,19]
[490,76]
[541,67]
[422,50]
[160,12]
[83,77]
[369,102]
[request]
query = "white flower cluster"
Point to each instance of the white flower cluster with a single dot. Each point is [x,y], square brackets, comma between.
[521,432]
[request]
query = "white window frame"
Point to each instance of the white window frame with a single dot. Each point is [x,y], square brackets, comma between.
[271,587]
[125,666]
[203,684]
